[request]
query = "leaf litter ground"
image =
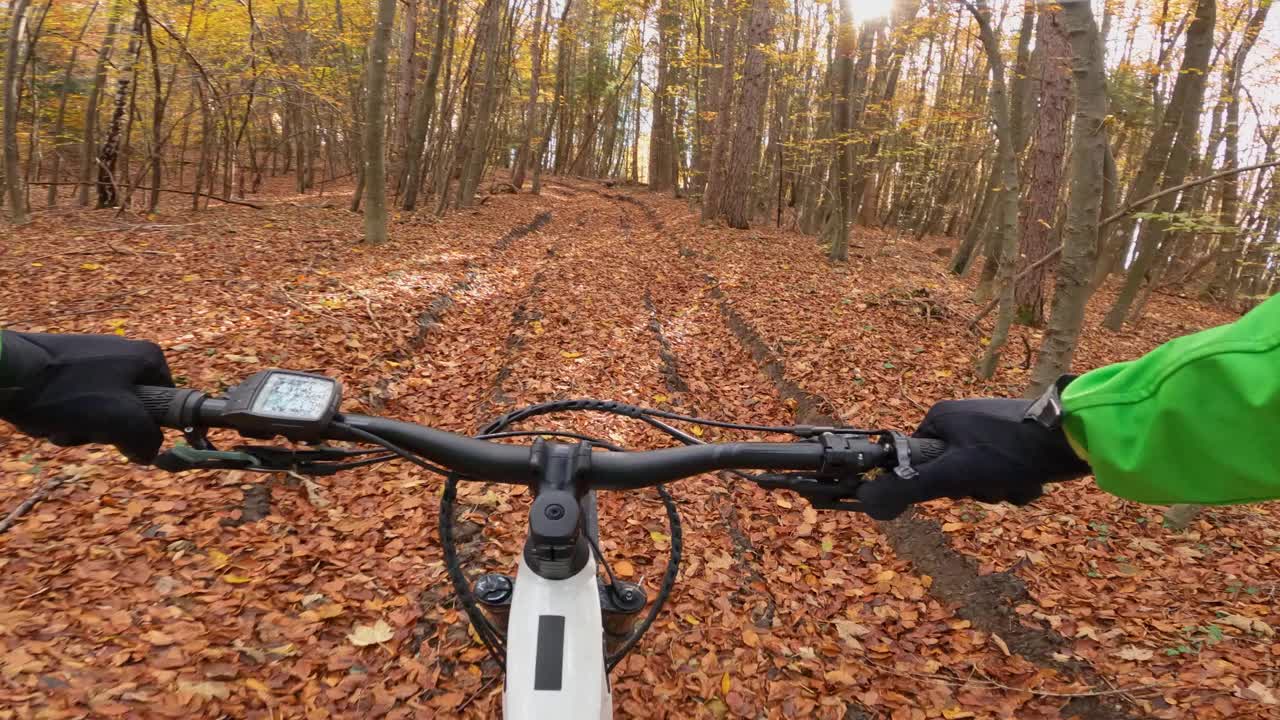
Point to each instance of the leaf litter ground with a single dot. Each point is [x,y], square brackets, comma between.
[134,593]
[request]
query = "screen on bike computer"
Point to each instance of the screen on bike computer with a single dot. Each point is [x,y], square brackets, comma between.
[294,397]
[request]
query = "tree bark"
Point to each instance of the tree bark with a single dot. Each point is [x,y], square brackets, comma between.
[375,180]
[531,124]
[738,197]
[89,148]
[12,95]
[107,187]
[717,161]
[424,107]
[1006,208]
[662,140]
[1084,206]
[1190,75]
[1183,113]
[838,220]
[1228,250]
[1039,212]
[404,90]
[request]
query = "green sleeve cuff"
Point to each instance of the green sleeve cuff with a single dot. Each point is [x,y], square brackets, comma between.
[1196,420]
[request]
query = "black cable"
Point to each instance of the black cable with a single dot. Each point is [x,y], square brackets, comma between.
[490,636]
[668,581]
[551,433]
[404,454]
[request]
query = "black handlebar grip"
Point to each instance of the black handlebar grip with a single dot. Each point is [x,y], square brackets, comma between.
[169,407]
[925,449]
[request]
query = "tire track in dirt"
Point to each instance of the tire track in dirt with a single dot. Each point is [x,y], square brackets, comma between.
[985,600]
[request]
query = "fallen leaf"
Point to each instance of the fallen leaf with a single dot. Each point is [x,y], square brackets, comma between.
[1248,624]
[624,568]
[91,266]
[750,638]
[207,689]
[363,635]
[999,641]
[1130,652]
[235,579]
[724,684]
[839,677]
[157,638]
[570,354]
[447,701]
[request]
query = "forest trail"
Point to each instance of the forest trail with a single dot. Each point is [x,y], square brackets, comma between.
[130,592]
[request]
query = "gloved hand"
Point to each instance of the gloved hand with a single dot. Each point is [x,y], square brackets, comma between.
[77,389]
[994,452]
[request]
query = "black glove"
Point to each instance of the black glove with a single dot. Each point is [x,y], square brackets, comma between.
[77,389]
[995,451]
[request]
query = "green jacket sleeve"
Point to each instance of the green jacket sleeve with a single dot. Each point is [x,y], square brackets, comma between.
[1197,420]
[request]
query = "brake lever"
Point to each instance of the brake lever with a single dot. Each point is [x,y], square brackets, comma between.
[185,457]
[822,493]
[255,458]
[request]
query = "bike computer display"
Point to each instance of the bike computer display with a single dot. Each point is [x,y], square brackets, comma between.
[294,404]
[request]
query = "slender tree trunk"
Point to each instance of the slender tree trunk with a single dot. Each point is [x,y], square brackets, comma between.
[1184,114]
[1006,209]
[1040,209]
[1088,161]
[157,111]
[473,131]
[424,108]
[107,185]
[531,124]
[1229,245]
[717,162]
[838,220]
[375,180]
[405,90]
[12,94]
[662,162]
[1190,75]
[737,200]
[89,148]
[562,73]
[59,125]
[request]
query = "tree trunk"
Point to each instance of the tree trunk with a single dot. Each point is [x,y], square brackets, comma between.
[717,162]
[1039,214]
[1088,161]
[531,124]
[12,94]
[738,197]
[662,140]
[1183,113]
[157,112]
[107,189]
[1006,208]
[375,180]
[838,220]
[404,90]
[474,133]
[89,148]
[59,125]
[1190,75]
[561,80]
[1229,245]
[424,107]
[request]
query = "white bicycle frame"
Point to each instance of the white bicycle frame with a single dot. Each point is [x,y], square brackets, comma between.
[555,649]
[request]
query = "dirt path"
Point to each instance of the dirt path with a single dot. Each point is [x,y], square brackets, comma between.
[216,594]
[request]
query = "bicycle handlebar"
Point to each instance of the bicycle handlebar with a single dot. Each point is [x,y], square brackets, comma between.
[182,408]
